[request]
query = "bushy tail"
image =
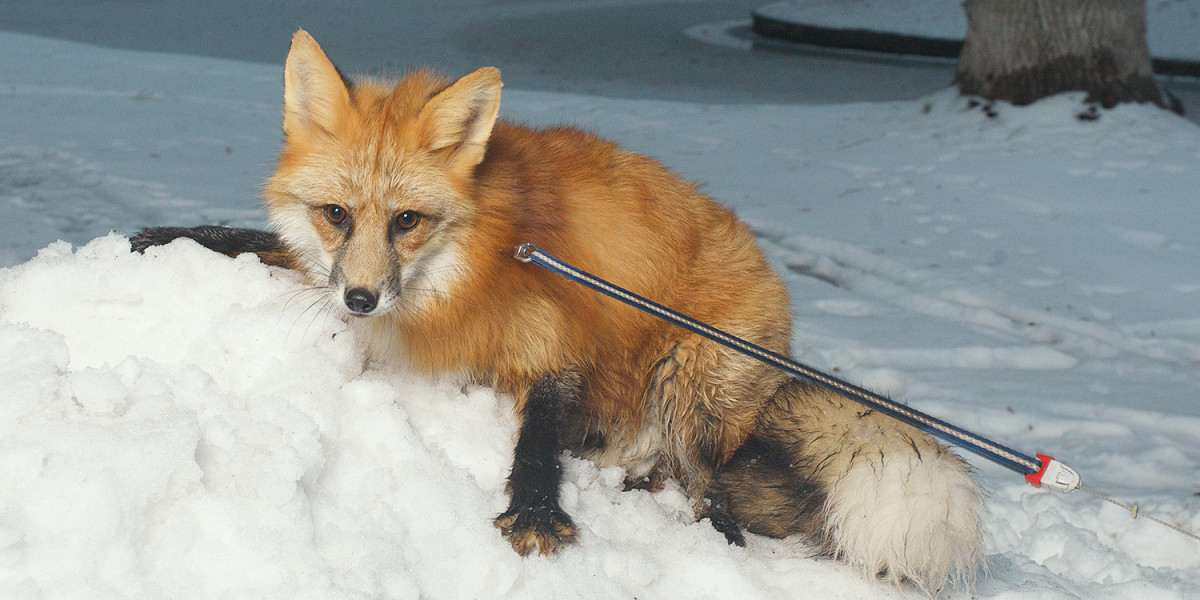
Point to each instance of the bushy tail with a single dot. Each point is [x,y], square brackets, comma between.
[874,492]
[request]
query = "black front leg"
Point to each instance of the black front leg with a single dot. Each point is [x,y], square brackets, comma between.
[230,241]
[534,521]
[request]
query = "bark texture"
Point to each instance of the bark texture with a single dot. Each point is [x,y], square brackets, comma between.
[1023,50]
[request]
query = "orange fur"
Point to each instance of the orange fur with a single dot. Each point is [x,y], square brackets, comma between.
[576,196]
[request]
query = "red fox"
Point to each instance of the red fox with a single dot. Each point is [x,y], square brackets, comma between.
[405,200]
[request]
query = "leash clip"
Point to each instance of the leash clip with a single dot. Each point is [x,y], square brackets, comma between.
[524,252]
[1054,475]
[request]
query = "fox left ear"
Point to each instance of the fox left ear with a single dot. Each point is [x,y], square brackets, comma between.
[315,95]
[460,118]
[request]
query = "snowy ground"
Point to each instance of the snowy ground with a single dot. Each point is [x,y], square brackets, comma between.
[182,425]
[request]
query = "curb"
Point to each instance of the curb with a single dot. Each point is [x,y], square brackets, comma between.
[783,30]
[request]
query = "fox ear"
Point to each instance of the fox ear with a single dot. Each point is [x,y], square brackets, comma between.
[460,118]
[315,95]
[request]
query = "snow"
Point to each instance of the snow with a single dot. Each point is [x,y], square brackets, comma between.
[1171,25]
[184,425]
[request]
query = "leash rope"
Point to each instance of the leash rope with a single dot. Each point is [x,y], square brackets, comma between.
[1135,512]
[1039,472]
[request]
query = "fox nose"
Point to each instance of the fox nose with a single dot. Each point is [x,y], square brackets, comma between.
[360,301]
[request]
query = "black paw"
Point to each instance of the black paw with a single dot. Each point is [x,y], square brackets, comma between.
[543,529]
[230,241]
[716,509]
[155,236]
[729,527]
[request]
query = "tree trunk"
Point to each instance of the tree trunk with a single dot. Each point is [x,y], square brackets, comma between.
[1022,50]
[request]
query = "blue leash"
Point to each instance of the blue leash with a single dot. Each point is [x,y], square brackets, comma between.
[1035,470]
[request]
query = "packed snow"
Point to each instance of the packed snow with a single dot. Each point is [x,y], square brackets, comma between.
[184,425]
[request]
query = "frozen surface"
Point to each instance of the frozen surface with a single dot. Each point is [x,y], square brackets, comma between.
[183,425]
[1171,25]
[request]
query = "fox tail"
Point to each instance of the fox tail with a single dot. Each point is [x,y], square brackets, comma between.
[869,490]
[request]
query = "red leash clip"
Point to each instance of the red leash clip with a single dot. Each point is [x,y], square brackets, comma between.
[1054,475]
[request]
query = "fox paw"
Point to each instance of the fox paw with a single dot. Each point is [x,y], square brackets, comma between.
[543,529]
[153,236]
[724,522]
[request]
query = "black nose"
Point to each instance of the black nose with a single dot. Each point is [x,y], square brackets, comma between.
[360,301]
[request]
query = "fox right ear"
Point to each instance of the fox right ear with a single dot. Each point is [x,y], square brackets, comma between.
[460,118]
[315,94]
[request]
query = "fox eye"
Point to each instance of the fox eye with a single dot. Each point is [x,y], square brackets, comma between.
[407,220]
[335,214]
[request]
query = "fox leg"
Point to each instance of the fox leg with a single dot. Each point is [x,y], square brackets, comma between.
[534,521]
[874,492]
[230,241]
[704,402]
[715,507]
[764,490]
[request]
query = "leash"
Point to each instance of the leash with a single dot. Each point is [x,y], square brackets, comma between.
[1042,471]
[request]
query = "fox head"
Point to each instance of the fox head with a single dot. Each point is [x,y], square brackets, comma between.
[372,189]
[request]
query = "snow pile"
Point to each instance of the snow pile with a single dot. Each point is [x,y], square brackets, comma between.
[183,425]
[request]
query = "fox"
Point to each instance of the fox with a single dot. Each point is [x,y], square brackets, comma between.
[403,200]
